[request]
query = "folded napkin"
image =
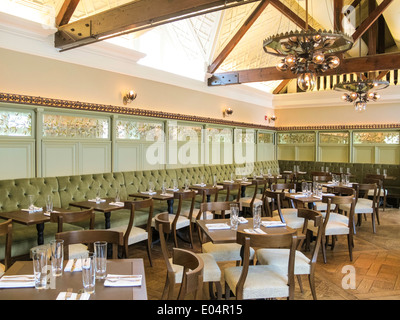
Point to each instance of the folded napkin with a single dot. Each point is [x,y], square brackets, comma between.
[48,213]
[78,265]
[217,226]
[74,296]
[17,281]
[245,182]
[94,200]
[35,209]
[229,181]
[300,195]
[287,171]
[200,184]
[149,193]
[167,194]
[272,224]
[118,280]
[172,189]
[254,231]
[118,204]
[220,187]
[242,220]
[328,194]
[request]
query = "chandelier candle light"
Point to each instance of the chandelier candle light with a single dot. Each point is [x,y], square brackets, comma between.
[307,53]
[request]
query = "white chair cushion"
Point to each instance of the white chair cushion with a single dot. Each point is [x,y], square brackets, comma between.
[2,269]
[262,281]
[320,206]
[382,193]
[280,257]
[209,215]
[245,202]
[211,271]
[225,251]
[181,223]
[136,235]
[361,207]
[332,228]
[333,216]
[76,251]
[291,218]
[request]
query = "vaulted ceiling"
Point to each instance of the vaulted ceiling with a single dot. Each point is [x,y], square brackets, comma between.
[227,35]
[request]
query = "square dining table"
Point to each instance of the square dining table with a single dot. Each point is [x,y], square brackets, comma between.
[73,280]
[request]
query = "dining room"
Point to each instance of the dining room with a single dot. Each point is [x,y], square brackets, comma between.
[178,140]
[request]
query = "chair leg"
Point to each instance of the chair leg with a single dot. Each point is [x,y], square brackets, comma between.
[350,244]
[227,291]
[312,286]
[300,282]
[373,221]
[323,248]
[164,295]
[377,216]
[149,251]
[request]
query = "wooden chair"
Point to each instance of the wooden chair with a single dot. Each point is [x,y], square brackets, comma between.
[90,237]
[178,220]
[221,251]
[288,188]
[207,195]
[336,224]
[232,190]
[135,234]
[383,191]
[262,281]
[75,250]
[175,271]
[363,205]
[303,265]
[286,215]
[6,230]
[257,199]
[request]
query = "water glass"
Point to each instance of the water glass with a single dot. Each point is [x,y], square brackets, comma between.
[256,217]
[100,253]
[309,188]
[31,207]
[39,257]
[327,169]
[232,177]
[214,181]
[202,179]
[117,196]
[98,198]
[304,187]
[234,216]
[378,171]
[348,170]
[175,184]
[163,188]
[49,203]
[151,186]
[88,272]
[384,173]
[57,257]
[186,184]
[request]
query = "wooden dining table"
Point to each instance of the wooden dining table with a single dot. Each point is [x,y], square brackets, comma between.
[73,280]
[104,207]
[158,195]
[38,218]
[218,236]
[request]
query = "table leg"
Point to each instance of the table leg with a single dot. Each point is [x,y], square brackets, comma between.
[170,203]
[107,216]
[40,236]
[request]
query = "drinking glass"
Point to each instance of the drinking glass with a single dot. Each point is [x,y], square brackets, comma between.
[186,184]
[327,169]
[341,169]
[234,216]
[98,198]
[304,187]
[175,184]
[31,207]
[384,173]
[309,188]
[378,171]
[117,196]
[256,217]
[100,253]
[151,186]
[232,177]
[214,181]
[269,172]
[39,257]
[348,170]
[49,203]
[202,179]
[163,188]
[88,272]
[57,257]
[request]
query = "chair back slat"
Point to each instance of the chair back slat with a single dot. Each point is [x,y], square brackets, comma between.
[6,230]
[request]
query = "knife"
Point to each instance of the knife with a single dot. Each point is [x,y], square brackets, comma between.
[73,265]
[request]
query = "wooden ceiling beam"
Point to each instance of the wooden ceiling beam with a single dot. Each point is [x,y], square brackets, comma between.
[134,16]
[238,36]
[66,12]
[290,14]
[380,62]
[373,16]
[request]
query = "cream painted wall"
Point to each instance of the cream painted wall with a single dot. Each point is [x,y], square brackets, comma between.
[34,75]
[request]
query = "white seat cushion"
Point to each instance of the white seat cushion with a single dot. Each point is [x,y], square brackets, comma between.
[280,257]
[245,202]
[181,223]
[361,206]
[333,216]
[320,206]
[383,192]
[225,251]
[262,281]
[136,235]
[209,215]
[291,218]
[332,228]
[76,251]
[2,269]
[211,271]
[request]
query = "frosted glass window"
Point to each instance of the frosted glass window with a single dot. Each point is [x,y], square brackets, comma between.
[142,131]
[16,124]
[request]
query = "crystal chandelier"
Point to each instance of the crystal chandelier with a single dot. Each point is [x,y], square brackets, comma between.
[361,91]
[308,53]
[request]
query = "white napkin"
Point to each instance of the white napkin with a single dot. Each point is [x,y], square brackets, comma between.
[272,224]
[172,189]
[328,194]
[242,220]
[300,195]
[220,187]
[94,200]
[287,171]
[48,213]
[118,280]
[35,209]
[229,181]
[254,231]
[148,192]
[17,281]
[200,184]
[217,226]
[167,194]
[118,204]
[84,296]
[78,265]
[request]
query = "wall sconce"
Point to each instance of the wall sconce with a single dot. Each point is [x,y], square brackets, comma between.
[270,119]
[129,97]
[227,112]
